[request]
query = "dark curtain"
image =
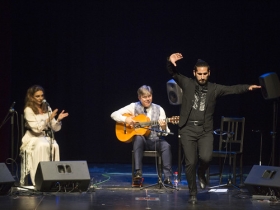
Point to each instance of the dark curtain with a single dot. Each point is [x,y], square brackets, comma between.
[92,56]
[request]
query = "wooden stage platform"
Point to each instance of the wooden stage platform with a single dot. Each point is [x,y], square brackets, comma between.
[111,189]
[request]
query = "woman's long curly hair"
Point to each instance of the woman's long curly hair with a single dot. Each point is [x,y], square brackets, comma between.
[29,99]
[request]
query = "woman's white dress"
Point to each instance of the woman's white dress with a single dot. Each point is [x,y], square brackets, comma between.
[36,144]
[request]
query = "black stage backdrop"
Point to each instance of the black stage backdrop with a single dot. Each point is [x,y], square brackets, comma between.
[92,56]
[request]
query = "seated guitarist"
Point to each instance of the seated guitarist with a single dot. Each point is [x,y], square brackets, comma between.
[151,142]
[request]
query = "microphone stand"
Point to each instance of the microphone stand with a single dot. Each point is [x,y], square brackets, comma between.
[261,148]
[259,131]
[273,132]
[160,182]
[52,134]
[11,111]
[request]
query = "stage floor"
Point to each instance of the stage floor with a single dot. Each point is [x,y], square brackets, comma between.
[112,190]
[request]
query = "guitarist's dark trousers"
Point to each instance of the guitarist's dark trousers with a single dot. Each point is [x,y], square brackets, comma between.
[140,144]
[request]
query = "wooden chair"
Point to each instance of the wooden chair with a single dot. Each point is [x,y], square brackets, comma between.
[231,137]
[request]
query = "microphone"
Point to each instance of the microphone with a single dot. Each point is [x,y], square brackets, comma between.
[12,107]
[45,101]
[256,131]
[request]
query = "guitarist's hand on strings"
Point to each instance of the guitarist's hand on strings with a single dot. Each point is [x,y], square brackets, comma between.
[162,124]
[129,121]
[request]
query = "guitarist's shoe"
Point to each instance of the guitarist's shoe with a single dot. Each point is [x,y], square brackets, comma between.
[137,182]
[137,179]
[168,182]
[138,174]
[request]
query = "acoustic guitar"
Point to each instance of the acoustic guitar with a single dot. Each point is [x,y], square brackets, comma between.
[125,132]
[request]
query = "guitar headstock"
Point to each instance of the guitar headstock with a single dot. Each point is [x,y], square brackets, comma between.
[174,120]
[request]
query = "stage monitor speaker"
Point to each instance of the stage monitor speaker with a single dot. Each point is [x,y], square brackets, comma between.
[6,179]
[67,176]
[263,180]
[270,85]
[174,92]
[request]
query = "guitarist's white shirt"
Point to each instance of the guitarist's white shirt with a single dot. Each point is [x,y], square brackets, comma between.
[129,109]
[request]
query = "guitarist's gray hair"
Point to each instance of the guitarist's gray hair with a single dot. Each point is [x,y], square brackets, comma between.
[144,90]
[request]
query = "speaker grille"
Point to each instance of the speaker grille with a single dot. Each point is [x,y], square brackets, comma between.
[6,179]
[270,85]
[263,180]
[174,92]
[62,176]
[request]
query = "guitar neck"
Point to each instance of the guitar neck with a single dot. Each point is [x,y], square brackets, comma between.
[151,123]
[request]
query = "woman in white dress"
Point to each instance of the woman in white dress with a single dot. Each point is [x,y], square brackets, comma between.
[38,140]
